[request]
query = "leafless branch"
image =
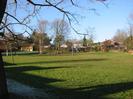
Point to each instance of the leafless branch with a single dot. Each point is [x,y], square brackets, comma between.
[13,17]
[18,22]
[37,4]
[14,36]
[68,14]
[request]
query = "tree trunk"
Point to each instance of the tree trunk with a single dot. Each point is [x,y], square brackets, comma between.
[3,84]
[2,8]
[40,46]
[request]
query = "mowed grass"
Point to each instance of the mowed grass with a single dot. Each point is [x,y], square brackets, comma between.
[82,76]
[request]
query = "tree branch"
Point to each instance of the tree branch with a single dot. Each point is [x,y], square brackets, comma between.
[37,4]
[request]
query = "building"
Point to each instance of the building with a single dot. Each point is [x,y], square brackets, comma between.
[63,46]
[27,47]
[2,45]
[111,45]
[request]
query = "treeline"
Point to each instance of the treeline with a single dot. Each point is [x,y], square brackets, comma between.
[46,37]
[125,37]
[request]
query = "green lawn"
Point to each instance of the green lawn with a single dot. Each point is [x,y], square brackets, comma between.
[82,76]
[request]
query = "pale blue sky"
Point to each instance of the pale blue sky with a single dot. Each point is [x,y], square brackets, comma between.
[106,22]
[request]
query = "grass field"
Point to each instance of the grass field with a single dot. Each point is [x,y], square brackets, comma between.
[82,76]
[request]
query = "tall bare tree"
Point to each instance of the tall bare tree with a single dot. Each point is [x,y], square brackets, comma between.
[61,31]
[129,38]
[120,36]
[33,6]
[42,26]
[3,85]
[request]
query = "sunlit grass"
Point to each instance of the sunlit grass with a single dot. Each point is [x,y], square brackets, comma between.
[84,75]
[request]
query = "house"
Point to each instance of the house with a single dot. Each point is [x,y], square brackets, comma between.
[78,46]
[27,47]
[2,45]
[63,46]
[130,52]
[46,46]
[111,45]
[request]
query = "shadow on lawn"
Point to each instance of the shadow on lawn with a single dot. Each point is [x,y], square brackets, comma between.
[93,92]
[62,61]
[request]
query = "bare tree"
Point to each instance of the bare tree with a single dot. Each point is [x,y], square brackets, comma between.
[3,85]
[34,6]
[61,30]
[120,36]
[129,38]
[42,26]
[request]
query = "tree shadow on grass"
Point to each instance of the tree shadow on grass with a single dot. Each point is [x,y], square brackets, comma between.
[8,64]
[92,92]
[61,61]
[18,74]
[99,91]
